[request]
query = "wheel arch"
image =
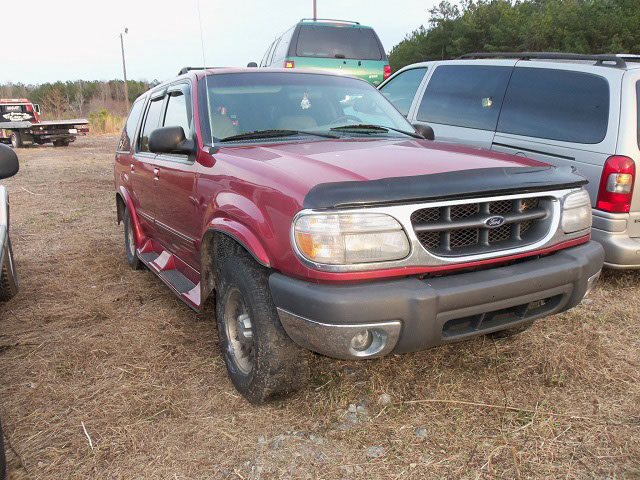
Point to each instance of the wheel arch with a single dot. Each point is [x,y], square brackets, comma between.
[221,240]
[124,200]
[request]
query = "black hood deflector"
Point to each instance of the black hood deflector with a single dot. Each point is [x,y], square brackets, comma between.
[480,182]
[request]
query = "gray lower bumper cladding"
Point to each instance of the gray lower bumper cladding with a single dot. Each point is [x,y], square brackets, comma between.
[410,314]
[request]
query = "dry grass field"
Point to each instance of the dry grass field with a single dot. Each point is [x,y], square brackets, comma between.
[89,344]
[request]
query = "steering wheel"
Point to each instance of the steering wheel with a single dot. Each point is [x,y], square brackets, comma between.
[348,118]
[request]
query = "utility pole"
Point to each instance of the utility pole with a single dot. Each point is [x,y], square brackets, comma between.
[124,69]
[314,10]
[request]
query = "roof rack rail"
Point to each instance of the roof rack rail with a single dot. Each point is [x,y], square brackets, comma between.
[184,70]
[328,20]
[599,59]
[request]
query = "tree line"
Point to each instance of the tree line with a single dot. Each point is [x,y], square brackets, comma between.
[580,26]
[78,98]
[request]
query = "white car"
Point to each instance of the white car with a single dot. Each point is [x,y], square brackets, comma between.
[8,277]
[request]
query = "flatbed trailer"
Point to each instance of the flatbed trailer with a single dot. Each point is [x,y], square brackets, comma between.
[20,125]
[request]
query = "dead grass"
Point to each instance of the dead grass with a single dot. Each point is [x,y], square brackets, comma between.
[90,342]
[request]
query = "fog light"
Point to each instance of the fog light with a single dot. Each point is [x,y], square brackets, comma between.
[362,340]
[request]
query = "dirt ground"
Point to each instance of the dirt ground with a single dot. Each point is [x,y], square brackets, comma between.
[105,374]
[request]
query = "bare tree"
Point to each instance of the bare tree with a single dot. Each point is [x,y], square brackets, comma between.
[54,103]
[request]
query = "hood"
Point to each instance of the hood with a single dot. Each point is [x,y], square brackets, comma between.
[376,165]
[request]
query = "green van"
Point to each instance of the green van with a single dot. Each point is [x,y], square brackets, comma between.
[332,45]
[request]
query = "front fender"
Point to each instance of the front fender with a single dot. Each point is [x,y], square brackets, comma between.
[243,235]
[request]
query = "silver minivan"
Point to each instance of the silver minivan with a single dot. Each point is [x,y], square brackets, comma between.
[562,109]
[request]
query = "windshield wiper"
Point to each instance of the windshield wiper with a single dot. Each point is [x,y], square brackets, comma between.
[374,129]
[273,134]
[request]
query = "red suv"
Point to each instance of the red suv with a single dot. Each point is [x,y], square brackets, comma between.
[323,221]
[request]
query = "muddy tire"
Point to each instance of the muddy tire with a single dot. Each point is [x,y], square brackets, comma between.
[130,242]
[8,276]
[16,139]
[510,332]
[263,362]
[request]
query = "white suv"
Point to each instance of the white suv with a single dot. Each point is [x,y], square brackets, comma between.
[559,108]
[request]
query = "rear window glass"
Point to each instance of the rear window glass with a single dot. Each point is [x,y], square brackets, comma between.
[13,108]
[337,42]
[556,105]
[130,128]
[403,87]
[465,96]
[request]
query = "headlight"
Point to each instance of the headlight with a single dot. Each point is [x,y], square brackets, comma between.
[345,238]
[576,212]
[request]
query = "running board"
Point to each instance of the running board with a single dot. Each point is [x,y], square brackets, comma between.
[170,270]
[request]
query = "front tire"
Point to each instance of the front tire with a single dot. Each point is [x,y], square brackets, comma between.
[8,276]
[130,242]
[263,362]
[16,139]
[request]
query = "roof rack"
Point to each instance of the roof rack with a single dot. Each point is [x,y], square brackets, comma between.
[184,70]
[328,20]
[599,59]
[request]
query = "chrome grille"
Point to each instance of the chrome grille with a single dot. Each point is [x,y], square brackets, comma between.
[460,229]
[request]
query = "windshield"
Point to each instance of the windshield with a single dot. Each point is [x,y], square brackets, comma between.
[244,103]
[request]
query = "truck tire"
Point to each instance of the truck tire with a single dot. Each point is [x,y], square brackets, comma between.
[8,276]
[263,362]
[61,143]
[130,242]
[3,459]
[16,139]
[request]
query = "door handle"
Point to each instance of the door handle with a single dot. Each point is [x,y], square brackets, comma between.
[156,174]
[133,168]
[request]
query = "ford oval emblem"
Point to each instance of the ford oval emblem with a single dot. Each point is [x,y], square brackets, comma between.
[494,222]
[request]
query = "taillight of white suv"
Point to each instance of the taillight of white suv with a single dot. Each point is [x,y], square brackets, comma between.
[616,184]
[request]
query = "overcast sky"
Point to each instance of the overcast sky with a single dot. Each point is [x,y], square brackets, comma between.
[66,40]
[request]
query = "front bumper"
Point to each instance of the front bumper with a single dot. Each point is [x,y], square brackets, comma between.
[412,314]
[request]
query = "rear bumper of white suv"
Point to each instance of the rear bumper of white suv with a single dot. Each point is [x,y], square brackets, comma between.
[612,231]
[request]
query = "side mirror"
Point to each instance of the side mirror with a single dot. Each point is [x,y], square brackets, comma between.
[425,130]
[170,140]
[9,165]
[36,107]
[252,64]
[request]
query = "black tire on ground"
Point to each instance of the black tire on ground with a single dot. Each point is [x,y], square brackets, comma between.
[8,276]
[3,460]
[16,139]
[268,365]
[130,242]
[61,143]
[510,332]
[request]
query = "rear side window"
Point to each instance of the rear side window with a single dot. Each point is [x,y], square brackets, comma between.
[130,128]
[465,96]
[151,122]
[338,42]
[177,113]
[403,87]
[556,105]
